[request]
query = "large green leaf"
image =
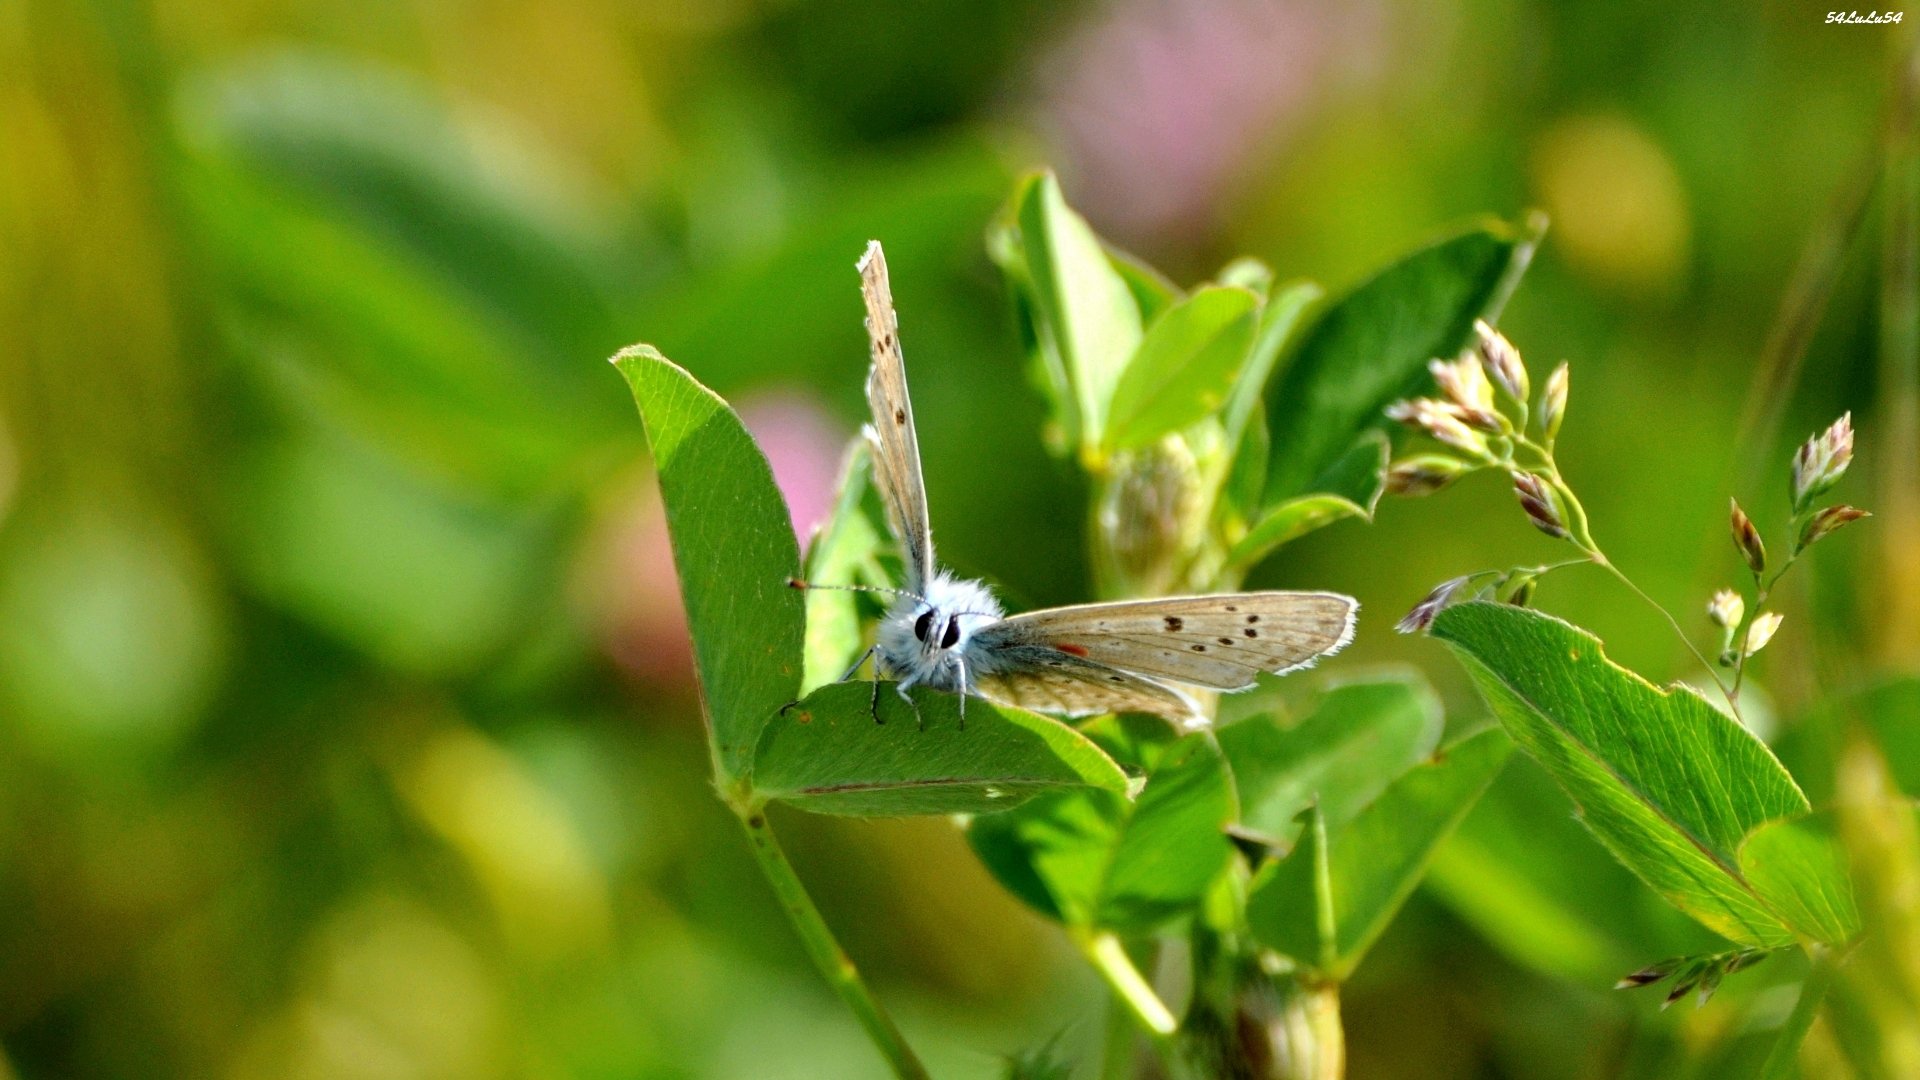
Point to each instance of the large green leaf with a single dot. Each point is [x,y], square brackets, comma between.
[828,755]
[1668,783]
[1185,366]
[1372,346]
[1097,860]
[1327,902]
[1340,755]
[1800,866]
[734,548]
[1085,314]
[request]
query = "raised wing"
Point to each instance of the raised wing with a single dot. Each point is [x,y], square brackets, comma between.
[1220,641]
[896,450]
[1044,679]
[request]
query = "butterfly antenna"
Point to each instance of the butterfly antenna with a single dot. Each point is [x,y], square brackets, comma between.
[796,583]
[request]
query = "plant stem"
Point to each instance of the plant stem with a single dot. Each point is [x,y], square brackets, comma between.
[1782,1061]
[1130,988]
[1600,558]
[824,949]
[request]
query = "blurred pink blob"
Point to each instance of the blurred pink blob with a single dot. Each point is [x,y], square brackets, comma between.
[1157,106]
[631,580]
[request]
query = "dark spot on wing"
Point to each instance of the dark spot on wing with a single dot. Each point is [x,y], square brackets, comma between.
[899,416]
[1071,649]
[1198,648]
[1226,641]
[1230,607]
[886,341]
[1115,678]
[1251,619]
[1174,622]
[1251,632]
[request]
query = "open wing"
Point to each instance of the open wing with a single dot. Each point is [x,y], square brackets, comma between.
[1047,680]
[896,450]
[1221,641]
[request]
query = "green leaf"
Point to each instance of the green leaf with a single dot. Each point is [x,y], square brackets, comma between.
[1667,782]
[1340,755]
[1185,366]
[1096,860]
[1085,314]
[826,754]
[1800,867]
[1352,489]
[1151,290]
[1328,901]
[1372,346]
[734,549]
[845,550]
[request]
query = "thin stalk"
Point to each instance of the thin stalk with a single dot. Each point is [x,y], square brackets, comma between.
[825,951]
[1582,536]
[1783,1061]
[1130,988]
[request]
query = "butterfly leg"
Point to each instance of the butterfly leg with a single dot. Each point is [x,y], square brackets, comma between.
[961,663]
[901,688]
[784,709]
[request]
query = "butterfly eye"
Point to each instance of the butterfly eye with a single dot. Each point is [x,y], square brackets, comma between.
[923,625]
[952,635]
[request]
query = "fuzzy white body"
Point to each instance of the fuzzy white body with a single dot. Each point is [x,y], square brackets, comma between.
[923,642]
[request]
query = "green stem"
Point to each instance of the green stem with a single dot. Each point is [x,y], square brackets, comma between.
[1600,558]
[1782,1062]
[825,950]
[1130,988]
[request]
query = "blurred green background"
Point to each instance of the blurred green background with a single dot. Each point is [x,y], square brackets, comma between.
[346,717]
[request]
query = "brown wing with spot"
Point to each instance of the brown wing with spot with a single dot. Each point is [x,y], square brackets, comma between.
[896,450]
[1044,679]
[1221,641]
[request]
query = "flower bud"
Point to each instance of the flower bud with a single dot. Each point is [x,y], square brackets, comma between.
[1821,461]
[1537,498]
[1501,360]
[1747,539]
[1762,630]
[1826,521]
[1430,605]
[1464,382]
[1424,474]
[1553,402]
[1726,608]
[1443,421]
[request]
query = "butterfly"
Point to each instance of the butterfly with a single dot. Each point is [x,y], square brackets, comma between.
[950,634]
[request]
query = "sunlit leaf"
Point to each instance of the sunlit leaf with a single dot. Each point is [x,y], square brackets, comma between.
[1669,784]
[734,549]
[1372,346]
[1185,366]
[1799,866]
[827,754]
[1084,312]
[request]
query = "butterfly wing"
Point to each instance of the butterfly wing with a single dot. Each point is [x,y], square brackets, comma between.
[896,450]
[1221,641]
[1044,679]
